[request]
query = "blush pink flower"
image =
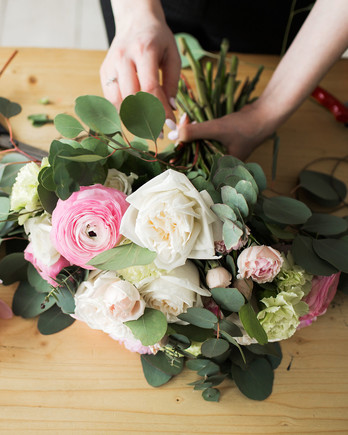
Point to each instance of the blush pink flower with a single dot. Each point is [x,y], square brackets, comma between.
[5,311]
[47,271]
[319,298]
[88,223]
[260,263]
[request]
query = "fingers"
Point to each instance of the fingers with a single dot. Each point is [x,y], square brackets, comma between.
[203,130]
[171,67]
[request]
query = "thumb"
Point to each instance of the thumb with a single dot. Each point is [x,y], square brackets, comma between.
[202,130]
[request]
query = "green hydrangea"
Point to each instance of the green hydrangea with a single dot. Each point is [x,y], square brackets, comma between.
[292,276]
[140,275]
[195,348]
[280,318]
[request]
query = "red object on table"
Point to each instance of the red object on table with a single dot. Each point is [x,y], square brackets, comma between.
[338,109]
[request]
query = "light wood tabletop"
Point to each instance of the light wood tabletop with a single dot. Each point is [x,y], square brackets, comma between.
[81,381]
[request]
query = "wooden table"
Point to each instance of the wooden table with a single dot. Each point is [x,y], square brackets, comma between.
[81,381]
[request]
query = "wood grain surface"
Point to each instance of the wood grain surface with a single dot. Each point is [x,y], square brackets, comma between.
[81,381]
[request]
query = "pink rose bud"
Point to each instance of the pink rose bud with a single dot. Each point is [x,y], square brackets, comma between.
[319,298]
[244,286]
[260,263]
[218,277]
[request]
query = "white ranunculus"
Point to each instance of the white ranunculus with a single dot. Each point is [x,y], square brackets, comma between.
[38,230]
[169,216]
[105,301]
[120,181]
[175,292]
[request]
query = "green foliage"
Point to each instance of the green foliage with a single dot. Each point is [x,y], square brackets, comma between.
[36,281]
[122,257]
[39,119]
[214,347]
[251,324]
[27,302]
[195,47]
[67,125]
[199,317]
[53,321]
[13,268]
[325,224]
[325,189]
[159,369]
[228,298]
[9,171]
[150,328]
[143,115]
[286,210]
[8,108]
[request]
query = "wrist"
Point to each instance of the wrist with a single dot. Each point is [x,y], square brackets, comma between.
[144,10]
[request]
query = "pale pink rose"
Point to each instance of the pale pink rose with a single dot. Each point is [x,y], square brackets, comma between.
[5,311]
[218,277]
[88,223]
[47,271]
[319,298]
[135,345]
[260,263]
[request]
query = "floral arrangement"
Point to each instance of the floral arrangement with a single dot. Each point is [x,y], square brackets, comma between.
[179,255]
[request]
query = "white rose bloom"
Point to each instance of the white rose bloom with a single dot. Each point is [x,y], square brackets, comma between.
[38,230]
[105,301]
[120,181]
[175,292]
[169,216]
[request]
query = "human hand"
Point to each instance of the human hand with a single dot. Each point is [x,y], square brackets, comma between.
[143,45]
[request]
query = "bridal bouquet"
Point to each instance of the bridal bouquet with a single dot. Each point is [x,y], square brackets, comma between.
[182,259]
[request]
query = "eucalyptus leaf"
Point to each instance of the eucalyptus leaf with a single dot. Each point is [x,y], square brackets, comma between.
[231,234]
[53,321]
[305,256]
[224,212]
[154,376]
[122,257]
[194,45]
[325,224]
[258,174]
[65,300]
[228,298]
[334,251]
[286,210]
[326,188]
[211,395]
[143,115]
[256,381]
[232,198]
[27,302]
[230,328]
[343,283]
[67,125]
[9,171]
[214,347]
[245,188]
[199,317]
[98,113]
[251,324]
[9,108]
[36,281]
[164,363]
[280,232]
[47,198]
[201,363]
[13,268]
[149,328]
[4,210]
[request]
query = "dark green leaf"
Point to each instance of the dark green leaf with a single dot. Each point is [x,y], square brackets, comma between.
[286,210]
[304,255]
[8,173]
[54,320]
[67,125]
[209,369]
[230,328]
[256,381]
[65,300]
[325,224]
[143,115]
[39,119]
[164,363]
[123,256]
[47,198]
[326,188]
[195,47]
[4,210]
[211,395]
[251,324]
[27,302]
[150,327]
[98,113]
[229,298]
[199,317]
[36,281]
[343,283]
[199,364]
[8,108]
[266,349]
[334,251]
[258,174]
[154,375]
[13,268]
[193,333]
[214,347]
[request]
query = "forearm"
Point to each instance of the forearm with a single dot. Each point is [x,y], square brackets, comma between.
[134,9]
[320,42]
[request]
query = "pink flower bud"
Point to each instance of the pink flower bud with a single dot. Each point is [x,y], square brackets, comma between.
[218,277]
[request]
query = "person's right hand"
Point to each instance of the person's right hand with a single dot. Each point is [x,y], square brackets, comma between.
[143,45]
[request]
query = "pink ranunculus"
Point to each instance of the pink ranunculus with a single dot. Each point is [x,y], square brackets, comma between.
[47,271]
[88,223]
[318,299]
[260,263]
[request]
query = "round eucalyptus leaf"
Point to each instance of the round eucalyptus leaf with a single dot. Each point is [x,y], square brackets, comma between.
[224,212]
[228,298]
[153,375]
[13,268]
[149,328]
[256,381]
[325,224]
[53,321]
[251,324]
[198,364]
[231,234]
[36,281]
[98,113]
[67,125]
[257,172]
[143,115]
[211,395]
[245,188]
[9,108]
[214,347]
[8,173]
[305,256]
[323,186]
[286,210]
[162,362]
[334,251]
[28,303]
[199,317]
[4,210]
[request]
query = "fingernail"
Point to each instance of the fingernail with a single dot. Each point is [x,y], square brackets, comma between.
[172,102]
[173,135]
[183,118]
[171,124]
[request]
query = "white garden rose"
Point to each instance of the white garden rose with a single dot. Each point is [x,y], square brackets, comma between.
[38,230]
[105,301]
[169,216]
[120,181]
[24,196]
[174,292]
